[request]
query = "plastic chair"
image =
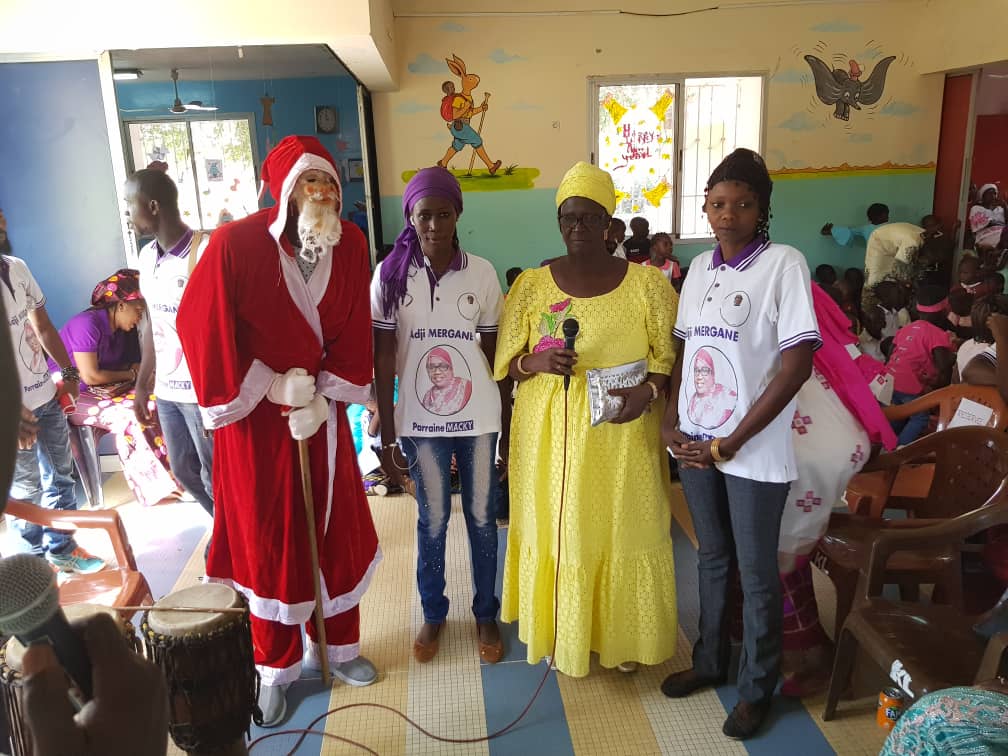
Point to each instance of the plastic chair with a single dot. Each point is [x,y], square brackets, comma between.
[120,585]
[946,400]
[969,465]
[923,647]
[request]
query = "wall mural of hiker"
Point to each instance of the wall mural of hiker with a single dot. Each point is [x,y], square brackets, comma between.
[465,122]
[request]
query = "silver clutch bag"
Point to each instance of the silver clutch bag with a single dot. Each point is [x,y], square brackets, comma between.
[602,406]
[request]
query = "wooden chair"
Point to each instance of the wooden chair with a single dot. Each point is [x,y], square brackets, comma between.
[969,465]
[923,647]
[119,585]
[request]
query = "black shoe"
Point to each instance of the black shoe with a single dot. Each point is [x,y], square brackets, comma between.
[745,719]
[681,684]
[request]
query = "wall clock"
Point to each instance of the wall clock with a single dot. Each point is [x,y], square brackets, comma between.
[326,119]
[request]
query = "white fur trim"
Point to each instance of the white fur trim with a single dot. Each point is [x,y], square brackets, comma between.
[253,390]
[307,162]
[341,390]
[336,654]
[274,610]
[274,676]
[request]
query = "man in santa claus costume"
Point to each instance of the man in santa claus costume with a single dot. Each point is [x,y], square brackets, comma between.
[275,324]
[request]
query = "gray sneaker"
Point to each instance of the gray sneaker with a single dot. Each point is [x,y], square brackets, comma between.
[357,672]
[273,704]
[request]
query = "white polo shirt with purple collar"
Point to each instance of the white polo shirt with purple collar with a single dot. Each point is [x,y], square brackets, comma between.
[735,318]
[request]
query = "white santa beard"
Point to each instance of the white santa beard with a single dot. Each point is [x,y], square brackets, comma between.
[319,228]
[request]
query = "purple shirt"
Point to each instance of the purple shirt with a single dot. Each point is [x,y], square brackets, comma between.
[90,331]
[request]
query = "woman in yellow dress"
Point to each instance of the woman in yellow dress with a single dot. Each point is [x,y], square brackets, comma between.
[616,593]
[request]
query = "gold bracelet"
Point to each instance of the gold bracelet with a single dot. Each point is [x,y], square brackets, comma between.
[518,365]
[715,451]
[654,389]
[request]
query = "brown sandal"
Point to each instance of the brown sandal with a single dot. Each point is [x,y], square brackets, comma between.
[424,652]
[491,653]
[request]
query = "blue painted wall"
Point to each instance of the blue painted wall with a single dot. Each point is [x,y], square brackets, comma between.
[519,228]
[57,189]
[293,112]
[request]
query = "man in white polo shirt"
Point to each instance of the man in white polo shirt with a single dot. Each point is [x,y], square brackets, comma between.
[165,265]
[44,470]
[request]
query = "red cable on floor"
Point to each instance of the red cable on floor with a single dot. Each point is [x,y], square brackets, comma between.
[556,593]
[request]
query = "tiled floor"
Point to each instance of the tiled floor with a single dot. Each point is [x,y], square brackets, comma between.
[458,697]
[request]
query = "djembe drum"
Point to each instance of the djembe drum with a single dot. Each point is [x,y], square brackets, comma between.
[207,660]
[11,656]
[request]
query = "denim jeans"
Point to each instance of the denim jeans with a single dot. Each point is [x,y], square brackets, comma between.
[909,430]
[43,475]
[190,452]
[430,467]
[738,519]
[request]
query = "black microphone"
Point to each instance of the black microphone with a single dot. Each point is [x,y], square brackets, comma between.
[30,611]
[570,332]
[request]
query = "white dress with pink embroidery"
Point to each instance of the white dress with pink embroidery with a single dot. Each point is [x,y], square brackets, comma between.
[830,446]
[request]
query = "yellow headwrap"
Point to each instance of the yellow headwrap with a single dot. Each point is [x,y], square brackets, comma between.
[584,180]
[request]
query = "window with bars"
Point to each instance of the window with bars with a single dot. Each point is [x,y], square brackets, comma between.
[661,137]
[211,161]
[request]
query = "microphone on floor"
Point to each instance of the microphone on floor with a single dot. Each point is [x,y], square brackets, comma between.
[30,611]
[570,332]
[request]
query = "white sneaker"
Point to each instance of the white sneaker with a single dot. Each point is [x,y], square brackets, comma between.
[273,704]
[627,667]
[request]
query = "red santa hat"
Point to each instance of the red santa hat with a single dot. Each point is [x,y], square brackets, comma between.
[280,170]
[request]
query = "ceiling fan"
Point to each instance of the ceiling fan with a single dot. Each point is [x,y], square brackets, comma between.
[178,106]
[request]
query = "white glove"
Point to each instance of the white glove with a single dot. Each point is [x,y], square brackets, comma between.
[306,421]
[295,388]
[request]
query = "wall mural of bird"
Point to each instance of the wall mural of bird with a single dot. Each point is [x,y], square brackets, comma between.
[844,89]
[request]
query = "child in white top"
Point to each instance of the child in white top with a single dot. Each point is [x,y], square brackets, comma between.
[749,329]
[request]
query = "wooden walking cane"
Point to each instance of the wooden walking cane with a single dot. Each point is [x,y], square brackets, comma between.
[309,503]
[479,132]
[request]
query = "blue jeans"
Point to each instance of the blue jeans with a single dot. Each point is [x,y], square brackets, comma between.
[43,475]
[738,519]
[909,430]
[430,467]
[190,452]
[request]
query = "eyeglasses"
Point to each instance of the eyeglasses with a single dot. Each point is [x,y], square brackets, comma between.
[438,367]
[591,221]
[702,371]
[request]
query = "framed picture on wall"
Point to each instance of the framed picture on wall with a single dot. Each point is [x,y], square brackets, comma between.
[355,169]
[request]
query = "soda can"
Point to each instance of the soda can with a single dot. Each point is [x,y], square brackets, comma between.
[66,400]
[891,703]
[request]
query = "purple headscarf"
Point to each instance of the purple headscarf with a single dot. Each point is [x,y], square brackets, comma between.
[428,182]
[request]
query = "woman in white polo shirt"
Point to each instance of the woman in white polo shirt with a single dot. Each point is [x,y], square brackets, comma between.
[746,316]
[435,310]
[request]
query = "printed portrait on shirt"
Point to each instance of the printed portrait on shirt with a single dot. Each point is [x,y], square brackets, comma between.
[469,306]
[443,384]
[167,347]
[712,389]
[30,350]
[735,308]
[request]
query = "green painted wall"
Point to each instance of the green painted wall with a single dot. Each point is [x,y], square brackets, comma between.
[519,228]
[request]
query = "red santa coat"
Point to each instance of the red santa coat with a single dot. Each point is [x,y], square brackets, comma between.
[247,314]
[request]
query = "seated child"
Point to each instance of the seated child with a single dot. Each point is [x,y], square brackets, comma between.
[960,305]
[893,301]
[662,258]
[970,277]
[638,246]
[825,275]
[921,360]
[855,279]
[870,337]
[994,282]
[615,237]
[936,254]
[983,308]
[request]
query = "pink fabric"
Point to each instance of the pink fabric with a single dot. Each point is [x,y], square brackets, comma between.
[849,379]
[911,363]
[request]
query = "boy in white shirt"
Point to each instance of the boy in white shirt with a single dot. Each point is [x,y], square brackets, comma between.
[43,473]
[165,265]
